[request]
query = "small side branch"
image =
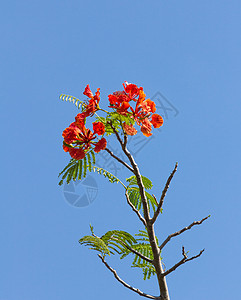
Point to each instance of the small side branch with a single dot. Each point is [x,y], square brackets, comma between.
[116,133]
[159,207]
[182,261]
[119,160]
[124,283]
[134,209]
[181,231]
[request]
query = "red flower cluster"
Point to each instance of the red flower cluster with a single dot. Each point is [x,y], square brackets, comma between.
[142,112]
[93,103]
[78,139]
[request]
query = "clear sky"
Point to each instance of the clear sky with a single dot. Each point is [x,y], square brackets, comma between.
[189,51]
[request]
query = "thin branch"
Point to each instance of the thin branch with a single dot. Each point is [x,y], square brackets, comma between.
[119,160]
[158,210]
[134,209]
[124,283]
[125,139]
[139,254]
[181,231]
[155,199]
[182,261]
[116,133]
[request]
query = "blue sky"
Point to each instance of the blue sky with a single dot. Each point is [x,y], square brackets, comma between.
[187,50]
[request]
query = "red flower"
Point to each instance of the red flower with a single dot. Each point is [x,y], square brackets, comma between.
[129,129]
[101,145]
[77,153]
[66,149]
[93,105]
[148,106]
[132,90]
[156,120]
[80,120]
[119,100]
[87,92]
[70,133]
[146,127]
[99,128]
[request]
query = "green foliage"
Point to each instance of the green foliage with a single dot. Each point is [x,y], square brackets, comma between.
[134,192]
[135,198]
[95,243]
[116,120]
[77,169]
[117,240]
[114,240]
[142,246]
[112,178]
[77,102]
[146,182]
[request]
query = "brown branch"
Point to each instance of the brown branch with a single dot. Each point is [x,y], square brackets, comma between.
[124,283]
[159,207]
[181,231]
[116,133]
[182,261]
[149,226]
[155,199]
[134,209]
[119,160]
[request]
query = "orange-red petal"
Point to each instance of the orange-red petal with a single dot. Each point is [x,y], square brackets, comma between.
[99,128]
[156,120]
[129,129]
[77,153]
[101,145]
[146,127]
[87,92]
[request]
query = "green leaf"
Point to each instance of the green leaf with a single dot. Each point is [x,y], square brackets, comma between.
[85,166]
[77,169]
[80,164]
[146,182]
[112,178]
[95,243]
[89,161]
[77,102]
[117,239]
[135,198]
[143,246]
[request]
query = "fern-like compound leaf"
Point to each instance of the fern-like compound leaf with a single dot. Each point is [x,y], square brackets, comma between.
[95,243]
[112,178]
[77,102]
[135,198]
[77,169]
[143,246]
[117,240]
[146,182]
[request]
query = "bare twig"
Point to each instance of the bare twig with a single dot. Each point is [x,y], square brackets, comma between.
[126,284]
[119,160]
[158,210]
[181,231]
[134,209]
[182,261]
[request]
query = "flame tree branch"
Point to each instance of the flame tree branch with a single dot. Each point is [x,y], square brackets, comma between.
[182,261]
[181,231]
[159,207]
[124,283]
